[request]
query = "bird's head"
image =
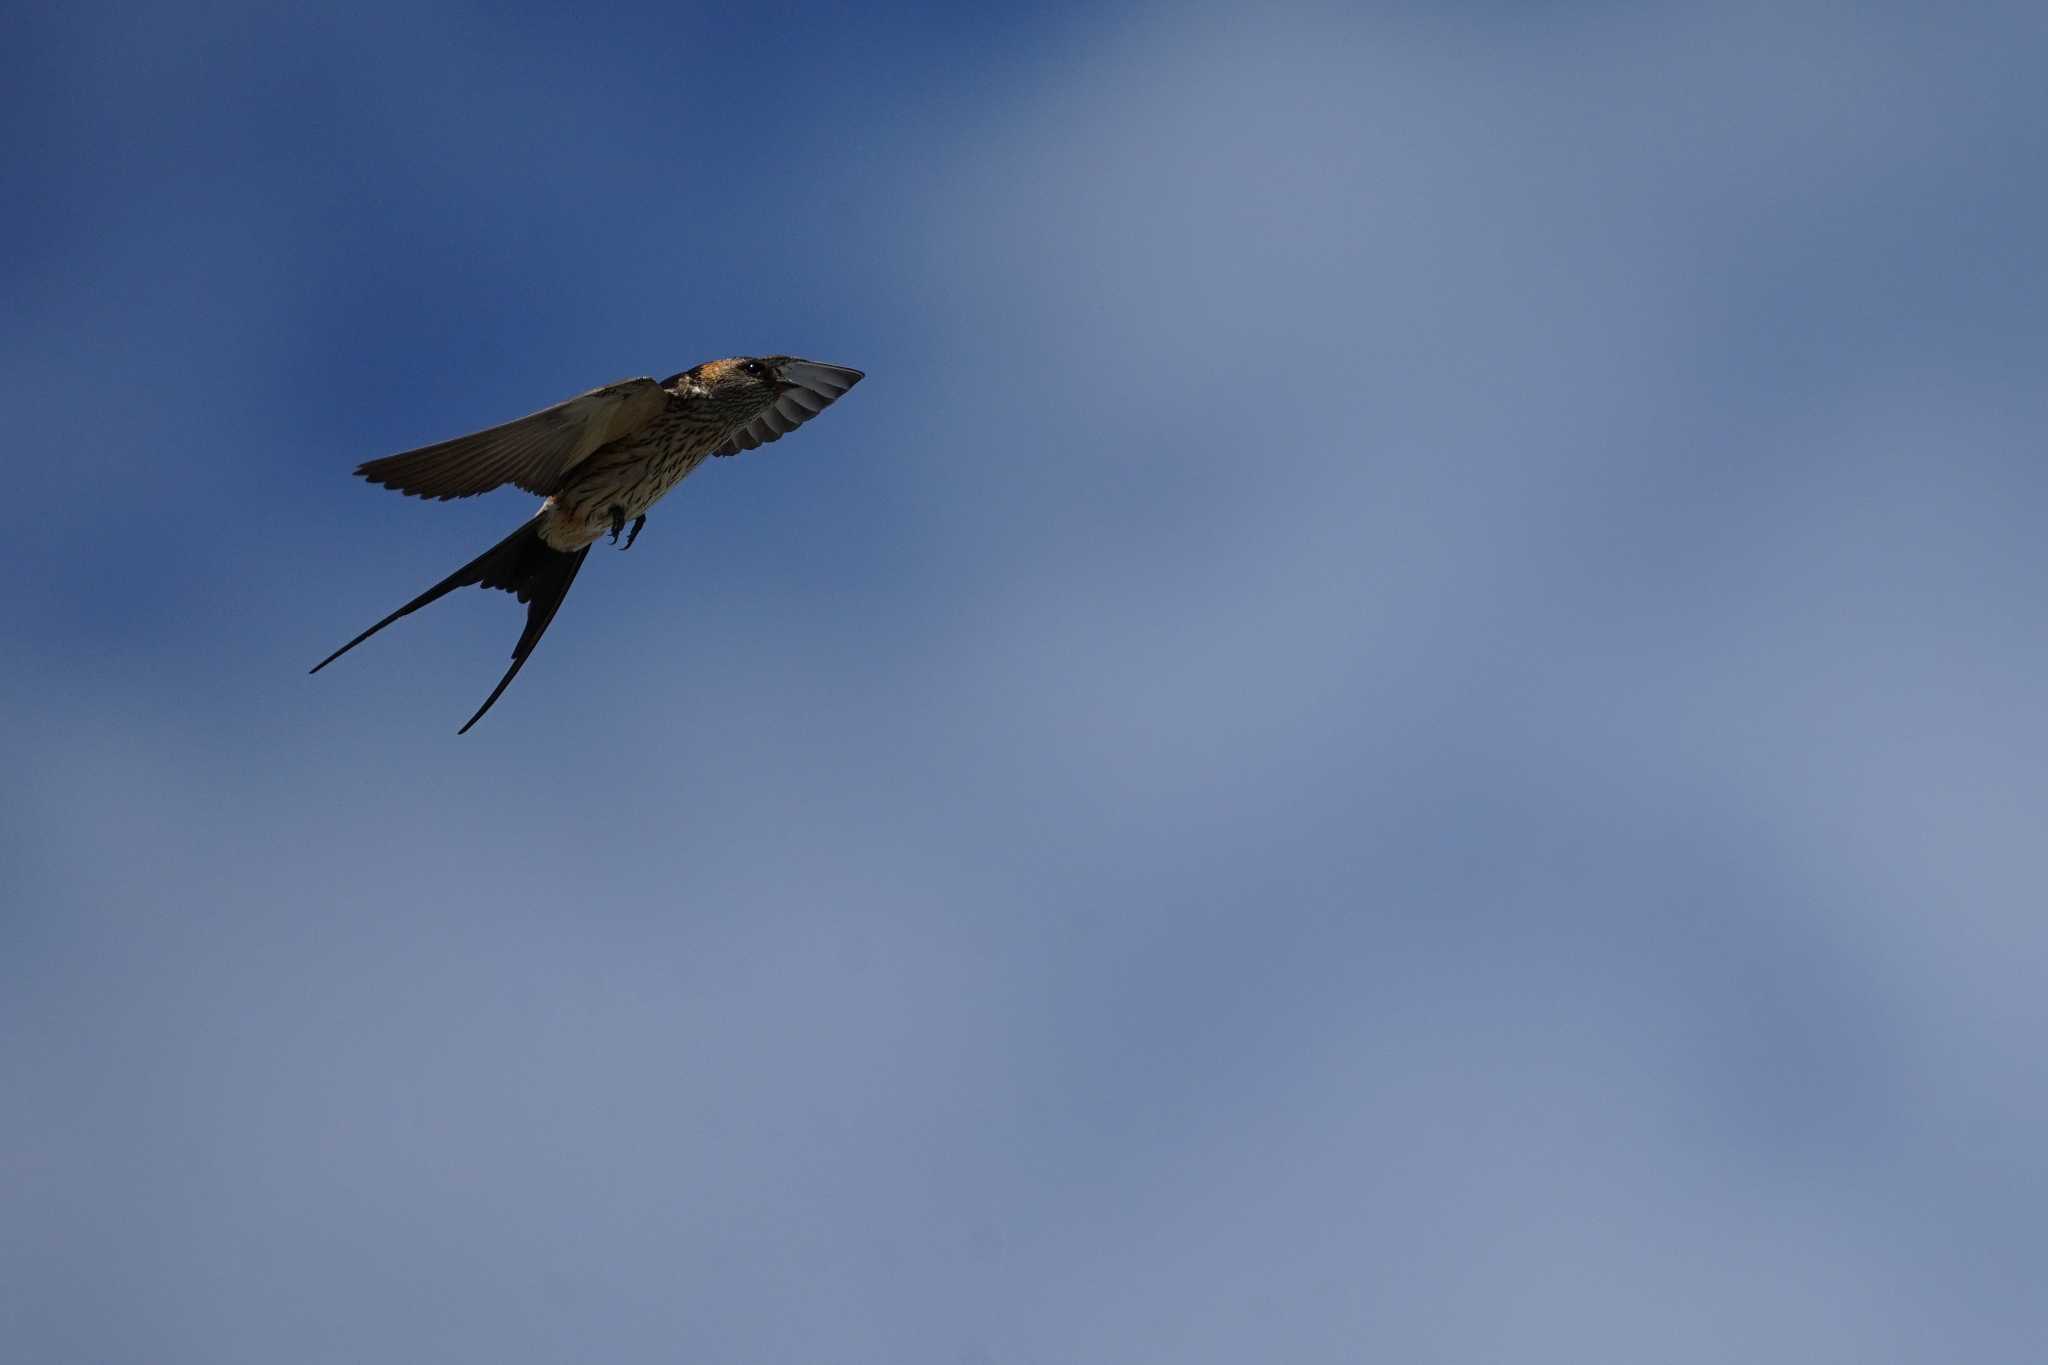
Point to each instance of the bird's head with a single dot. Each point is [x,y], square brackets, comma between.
[762,397]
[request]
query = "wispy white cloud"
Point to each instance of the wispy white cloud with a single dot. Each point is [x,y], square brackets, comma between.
[1398,721]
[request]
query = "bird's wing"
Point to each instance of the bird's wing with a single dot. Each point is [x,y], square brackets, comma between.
[814,388]
[533,452]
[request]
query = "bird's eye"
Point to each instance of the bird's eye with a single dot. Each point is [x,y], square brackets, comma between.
[752,367]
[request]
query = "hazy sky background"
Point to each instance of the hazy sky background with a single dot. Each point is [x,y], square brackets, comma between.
[1404,721]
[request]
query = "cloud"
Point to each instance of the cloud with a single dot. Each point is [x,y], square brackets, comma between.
[1397,721]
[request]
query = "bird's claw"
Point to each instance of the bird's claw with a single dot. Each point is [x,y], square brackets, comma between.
[619,524]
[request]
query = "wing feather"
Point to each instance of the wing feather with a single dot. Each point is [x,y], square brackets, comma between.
[815,386]
[533,453]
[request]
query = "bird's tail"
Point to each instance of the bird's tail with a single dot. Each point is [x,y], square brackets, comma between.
[522,564]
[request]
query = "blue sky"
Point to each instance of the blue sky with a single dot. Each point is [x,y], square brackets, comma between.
[1403,721]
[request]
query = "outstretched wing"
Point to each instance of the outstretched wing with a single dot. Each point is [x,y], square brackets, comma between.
[809,389]
[533,452]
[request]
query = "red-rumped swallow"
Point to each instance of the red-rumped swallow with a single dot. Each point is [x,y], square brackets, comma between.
[600,460]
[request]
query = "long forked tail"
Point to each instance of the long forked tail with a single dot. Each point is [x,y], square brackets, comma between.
[521,564]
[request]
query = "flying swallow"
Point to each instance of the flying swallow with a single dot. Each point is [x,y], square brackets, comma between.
[600,459]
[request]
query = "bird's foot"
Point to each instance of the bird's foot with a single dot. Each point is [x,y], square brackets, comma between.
[618,521]
[634,534]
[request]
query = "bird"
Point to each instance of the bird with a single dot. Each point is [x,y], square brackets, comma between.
[599,460]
